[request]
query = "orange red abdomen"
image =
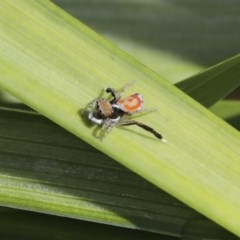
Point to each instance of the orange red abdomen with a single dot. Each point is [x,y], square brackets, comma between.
[131,104]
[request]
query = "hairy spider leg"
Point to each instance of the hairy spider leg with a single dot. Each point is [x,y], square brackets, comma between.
[106,129]
[117,94]
[139,112]
[144,126]
[126,86]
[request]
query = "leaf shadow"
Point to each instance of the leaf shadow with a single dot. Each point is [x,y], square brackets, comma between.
[234,121]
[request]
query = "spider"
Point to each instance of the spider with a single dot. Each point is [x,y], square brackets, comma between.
[116,112]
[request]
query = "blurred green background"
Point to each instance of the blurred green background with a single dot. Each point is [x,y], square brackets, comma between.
[176,38]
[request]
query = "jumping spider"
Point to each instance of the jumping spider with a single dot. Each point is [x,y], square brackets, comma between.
[116,112]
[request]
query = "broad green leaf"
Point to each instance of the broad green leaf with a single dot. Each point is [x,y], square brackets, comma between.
[56,65]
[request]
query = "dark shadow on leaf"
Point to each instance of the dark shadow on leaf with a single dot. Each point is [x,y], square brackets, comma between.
[27,224]
[205,229]
[234,121]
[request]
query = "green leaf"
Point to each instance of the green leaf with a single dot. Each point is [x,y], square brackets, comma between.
[227,109]
[57,65]
[214,83]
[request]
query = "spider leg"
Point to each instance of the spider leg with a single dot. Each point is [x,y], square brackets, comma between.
[93,119]
[106,129]
[117,94]
[126,86]
[142,111]
[143,126]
